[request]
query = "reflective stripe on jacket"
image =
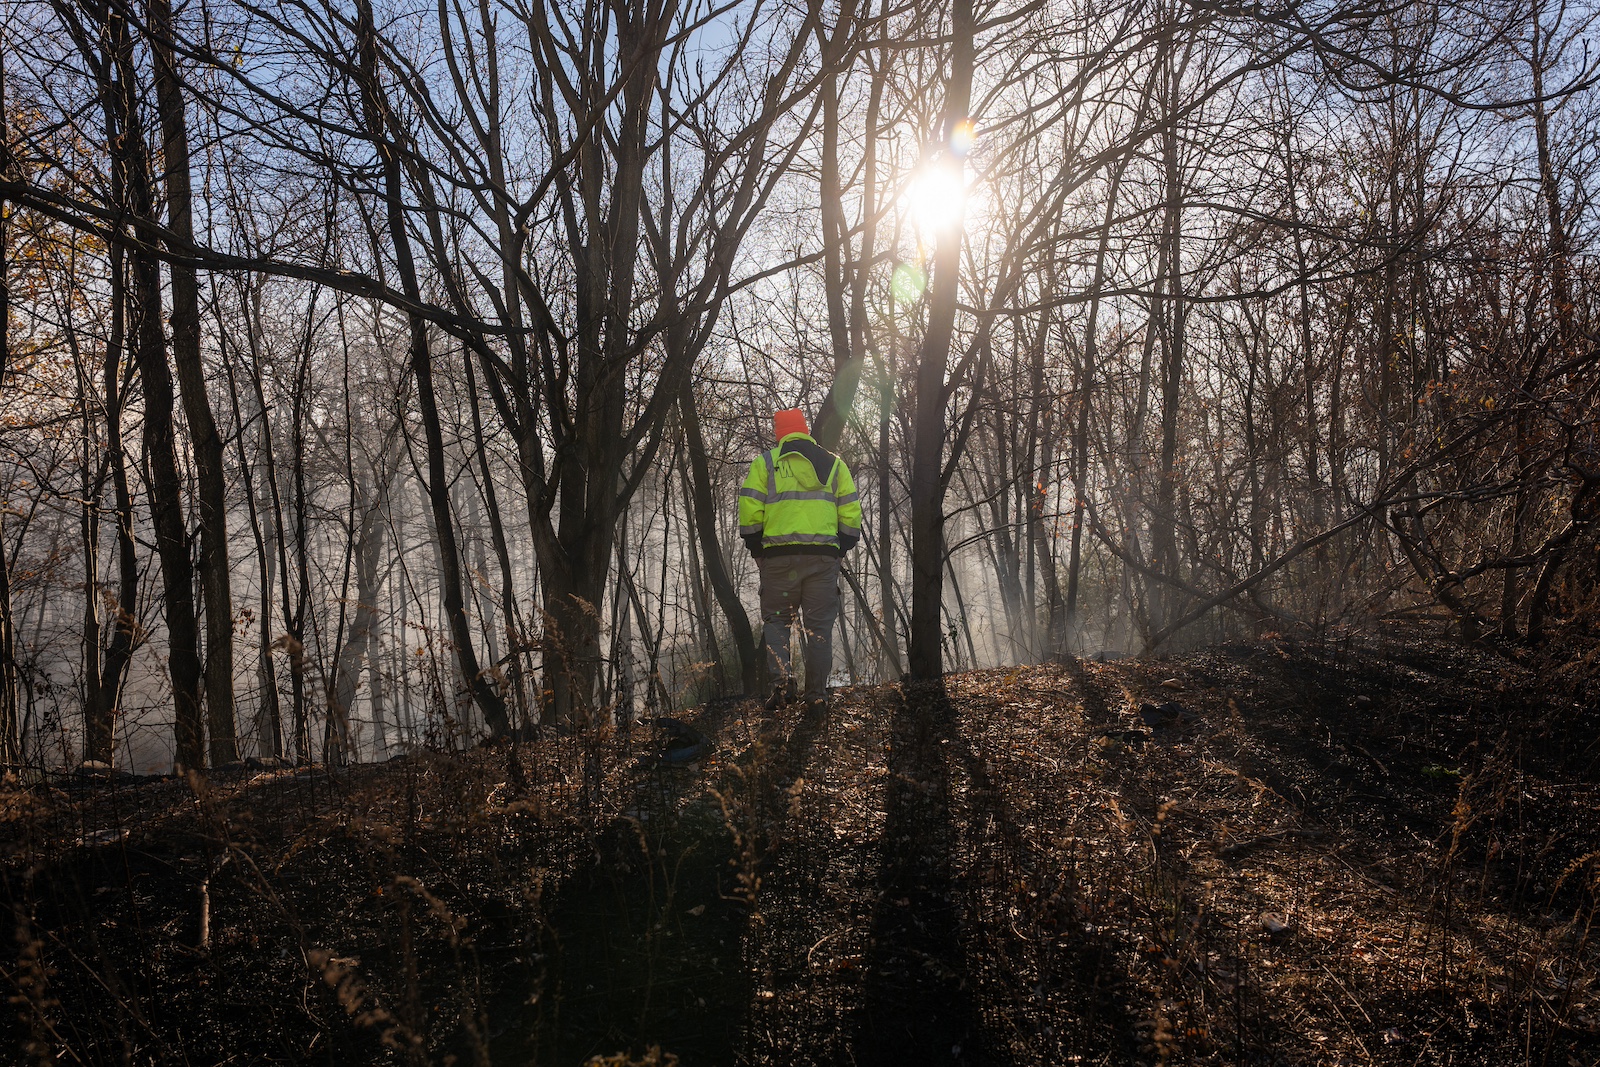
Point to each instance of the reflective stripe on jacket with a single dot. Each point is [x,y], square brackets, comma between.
[788,505]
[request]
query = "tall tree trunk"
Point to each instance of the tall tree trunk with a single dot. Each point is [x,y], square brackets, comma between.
[1041,548]
[1164,545]
[1310,442]
[268,726]
[150,351]
[885,530]
[1562,313]
[513,241]
[10,736]
[1080,432]
[862,342]
[295,607]
[93,483]
[166,503]
[212,502]
[379,125]
[927,481]
[575,563]
[1131,475]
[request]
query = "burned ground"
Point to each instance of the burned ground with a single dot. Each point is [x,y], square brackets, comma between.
[1364,852]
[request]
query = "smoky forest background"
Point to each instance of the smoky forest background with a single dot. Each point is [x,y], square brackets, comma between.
[377,374]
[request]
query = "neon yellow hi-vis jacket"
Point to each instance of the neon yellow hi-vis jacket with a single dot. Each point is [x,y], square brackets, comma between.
[799,498]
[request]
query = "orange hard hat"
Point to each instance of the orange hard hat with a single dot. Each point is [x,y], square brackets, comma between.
[789,421]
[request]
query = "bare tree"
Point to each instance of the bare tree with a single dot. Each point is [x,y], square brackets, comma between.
[10,739]
[925,655]
[212,506]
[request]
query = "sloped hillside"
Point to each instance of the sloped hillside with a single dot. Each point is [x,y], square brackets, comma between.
[1370,852]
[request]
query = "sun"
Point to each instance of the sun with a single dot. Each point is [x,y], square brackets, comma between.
[936,198]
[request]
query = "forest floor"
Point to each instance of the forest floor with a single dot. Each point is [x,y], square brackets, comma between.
[1375,851]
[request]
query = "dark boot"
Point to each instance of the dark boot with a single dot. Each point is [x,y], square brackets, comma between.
[781,695]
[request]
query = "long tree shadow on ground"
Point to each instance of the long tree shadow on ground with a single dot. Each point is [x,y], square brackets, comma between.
[644,946]
[1056,990]
[918,1006]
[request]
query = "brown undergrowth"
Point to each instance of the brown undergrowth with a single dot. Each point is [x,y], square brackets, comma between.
[1368,852]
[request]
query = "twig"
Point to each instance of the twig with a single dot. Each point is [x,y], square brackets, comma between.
[819,944]
[1335,1006]
[1265,839]
[122,1002]
[205,902]
[1378,762]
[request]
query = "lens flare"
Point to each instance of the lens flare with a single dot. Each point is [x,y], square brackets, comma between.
[907,283]
[962,137]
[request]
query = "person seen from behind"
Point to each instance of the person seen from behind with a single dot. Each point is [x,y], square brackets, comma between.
[799,513]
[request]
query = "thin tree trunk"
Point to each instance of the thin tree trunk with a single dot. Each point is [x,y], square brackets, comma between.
[95,739]
[885,530]
[10,726]
[295,611]
[1041,547]
[1310,441]
[1080,432]
[513,240]
[927,490]
[339,683]
[959,624]
[502,552]
[1164,547]
[705,520]
[1005,542]
[268,720]
[10,736]
[378,121]
[207,443]
[10,704]
[656,696]
[100,741]
[698,583]
[164,483]
[831,419]
[380,704]
[478,580]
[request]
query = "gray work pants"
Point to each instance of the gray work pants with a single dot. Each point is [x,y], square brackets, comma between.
[808,586]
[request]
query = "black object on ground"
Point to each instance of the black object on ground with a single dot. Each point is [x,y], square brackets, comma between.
[1168,714]
[683,743]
